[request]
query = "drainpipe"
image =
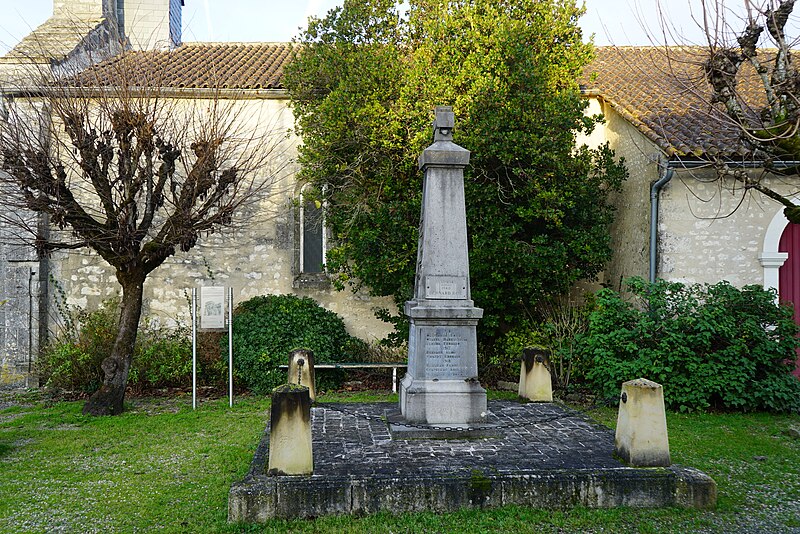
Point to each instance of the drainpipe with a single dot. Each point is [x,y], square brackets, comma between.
[655,189]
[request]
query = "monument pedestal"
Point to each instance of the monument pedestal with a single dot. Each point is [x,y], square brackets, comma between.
[451,403]
[441,385]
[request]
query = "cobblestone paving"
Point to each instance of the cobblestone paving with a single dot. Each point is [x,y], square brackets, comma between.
[352,440]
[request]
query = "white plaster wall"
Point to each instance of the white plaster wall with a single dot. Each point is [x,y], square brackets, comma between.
[630,231]
[710,230]
[256,258]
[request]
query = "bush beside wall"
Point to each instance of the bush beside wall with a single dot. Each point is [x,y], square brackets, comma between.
[267,328]
[710,346]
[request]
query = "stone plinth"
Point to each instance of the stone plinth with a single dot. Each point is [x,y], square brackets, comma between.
[441,386]
[540,455]
[291,450]
[535,381]
[641,437]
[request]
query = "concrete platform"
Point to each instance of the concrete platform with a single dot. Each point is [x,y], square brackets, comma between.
[546,456]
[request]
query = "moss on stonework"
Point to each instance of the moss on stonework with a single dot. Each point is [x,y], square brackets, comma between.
[289,388]
[480,486]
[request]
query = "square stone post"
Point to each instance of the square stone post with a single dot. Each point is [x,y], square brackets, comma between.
[441,385]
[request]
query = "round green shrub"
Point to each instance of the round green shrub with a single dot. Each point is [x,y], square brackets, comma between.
[710,346]
[267,328]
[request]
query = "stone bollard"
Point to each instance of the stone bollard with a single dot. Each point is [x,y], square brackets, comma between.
[535,382]
[641,438]
[301,370]
[290,432]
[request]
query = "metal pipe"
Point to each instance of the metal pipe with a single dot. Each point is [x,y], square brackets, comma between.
[194,348]
[230,346]
[31,272]
[655,189]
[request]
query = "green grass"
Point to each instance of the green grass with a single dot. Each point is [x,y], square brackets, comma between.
[163,467]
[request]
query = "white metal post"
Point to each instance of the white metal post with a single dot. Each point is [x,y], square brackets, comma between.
[230,345]
[194,348]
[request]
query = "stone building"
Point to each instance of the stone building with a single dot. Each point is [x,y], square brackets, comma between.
[674,219]
[282,248]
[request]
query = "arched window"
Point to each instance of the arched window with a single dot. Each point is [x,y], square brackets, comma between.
[312,232]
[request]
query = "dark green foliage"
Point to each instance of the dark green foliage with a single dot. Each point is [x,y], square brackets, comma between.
[162,356]
[710,346]
[363,90]
[267,328]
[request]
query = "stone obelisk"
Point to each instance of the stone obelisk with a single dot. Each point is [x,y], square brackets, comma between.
[441,386]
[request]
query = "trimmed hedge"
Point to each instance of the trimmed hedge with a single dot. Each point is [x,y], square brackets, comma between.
[267,328]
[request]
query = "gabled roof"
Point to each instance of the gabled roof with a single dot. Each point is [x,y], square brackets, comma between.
[55,39]
[195,66]
[663,92]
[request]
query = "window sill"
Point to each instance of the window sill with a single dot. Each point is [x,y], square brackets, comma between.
[312,281]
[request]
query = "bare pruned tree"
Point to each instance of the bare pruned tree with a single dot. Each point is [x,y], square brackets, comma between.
[751,75]
[121,166]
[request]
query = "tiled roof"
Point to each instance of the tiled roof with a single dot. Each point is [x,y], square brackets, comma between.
[196,65]
[664,93]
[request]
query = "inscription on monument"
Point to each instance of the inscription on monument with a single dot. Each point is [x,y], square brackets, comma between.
[445,352]
[446,287]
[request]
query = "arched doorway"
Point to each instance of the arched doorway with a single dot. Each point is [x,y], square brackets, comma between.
[789,273]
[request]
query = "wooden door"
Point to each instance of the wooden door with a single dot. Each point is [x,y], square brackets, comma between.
[789,274]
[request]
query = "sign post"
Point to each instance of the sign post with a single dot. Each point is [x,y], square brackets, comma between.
[194,348]
[230,347]
[212,318]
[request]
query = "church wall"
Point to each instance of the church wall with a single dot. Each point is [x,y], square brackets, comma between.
[630,231]
[255,258]
[147,23]
[710,230]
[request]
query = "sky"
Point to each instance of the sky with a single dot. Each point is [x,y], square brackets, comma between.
[619,22]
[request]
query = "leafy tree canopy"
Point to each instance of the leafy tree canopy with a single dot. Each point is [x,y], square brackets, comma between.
[364,85]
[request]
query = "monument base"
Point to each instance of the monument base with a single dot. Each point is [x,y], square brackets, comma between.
[442,402]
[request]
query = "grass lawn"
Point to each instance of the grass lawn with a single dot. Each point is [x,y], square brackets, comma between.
[163,467]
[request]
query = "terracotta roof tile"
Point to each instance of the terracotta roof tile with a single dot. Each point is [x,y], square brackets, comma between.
[196,65]
[664,93]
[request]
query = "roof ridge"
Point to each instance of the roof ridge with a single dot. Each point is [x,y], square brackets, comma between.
[234,43]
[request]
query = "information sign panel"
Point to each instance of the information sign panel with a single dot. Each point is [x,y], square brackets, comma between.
[212,308]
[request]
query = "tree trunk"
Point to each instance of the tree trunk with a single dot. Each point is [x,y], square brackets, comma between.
[109,399]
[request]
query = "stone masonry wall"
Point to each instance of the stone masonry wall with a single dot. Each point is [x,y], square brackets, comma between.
[709,232]
[147,23]
[18,308]
[255,259]
[630,236]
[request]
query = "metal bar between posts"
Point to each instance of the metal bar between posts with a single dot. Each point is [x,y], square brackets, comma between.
[230,346]
[194,348]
